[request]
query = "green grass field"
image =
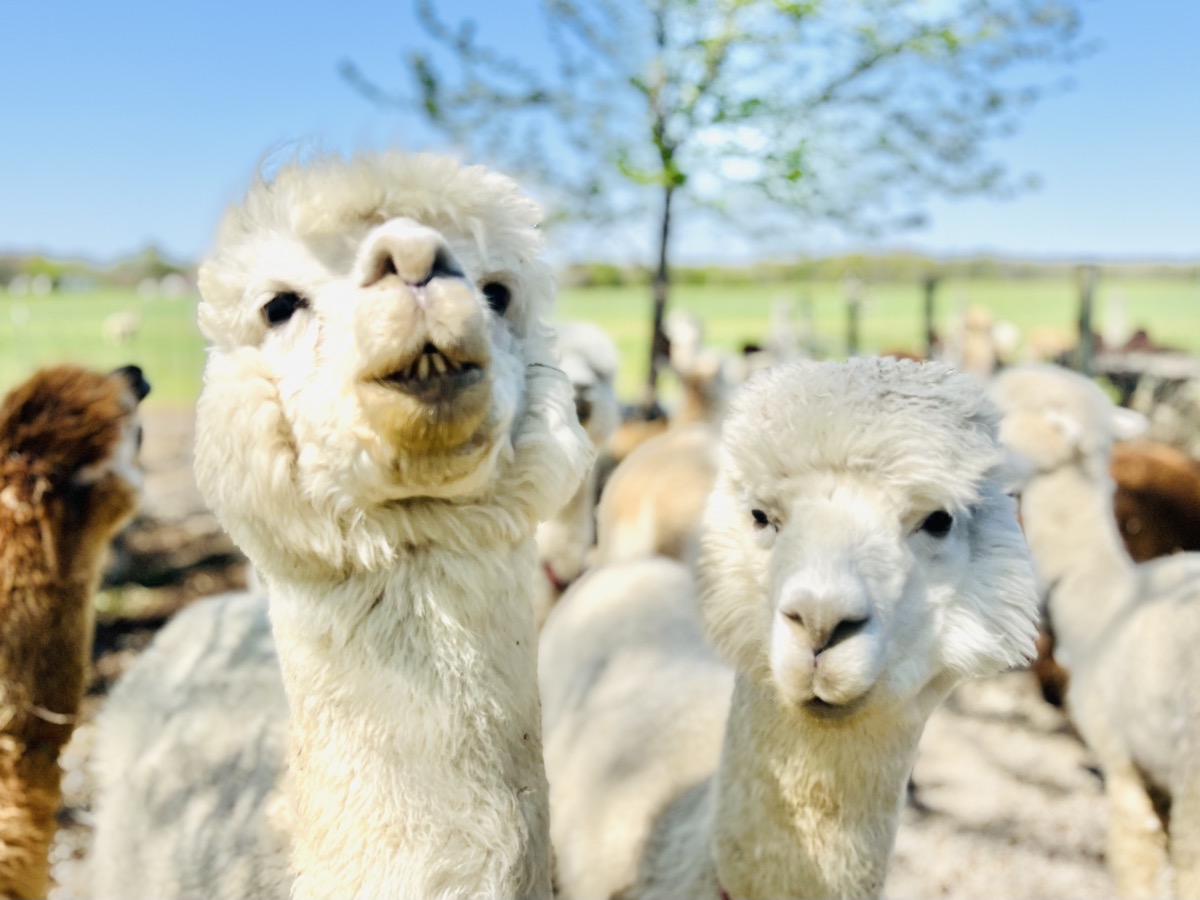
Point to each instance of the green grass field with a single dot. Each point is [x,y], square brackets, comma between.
[36,331]
[893,314]
[70,327]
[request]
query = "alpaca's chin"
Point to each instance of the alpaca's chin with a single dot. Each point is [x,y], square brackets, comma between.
[835,712]
[822,702]
[464,474]
[445,417]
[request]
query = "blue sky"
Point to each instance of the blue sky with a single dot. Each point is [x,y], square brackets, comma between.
[128,123]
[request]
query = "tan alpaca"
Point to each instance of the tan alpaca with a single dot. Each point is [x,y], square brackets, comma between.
[68,480]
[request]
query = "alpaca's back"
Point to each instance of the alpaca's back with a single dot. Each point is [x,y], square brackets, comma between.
[158,833]
[653,500]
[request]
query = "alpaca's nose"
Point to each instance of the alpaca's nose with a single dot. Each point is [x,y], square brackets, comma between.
[583,404]
[408,251]
[826,616]
[137,380]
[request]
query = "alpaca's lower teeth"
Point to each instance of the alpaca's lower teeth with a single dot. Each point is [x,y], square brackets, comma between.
[431,364]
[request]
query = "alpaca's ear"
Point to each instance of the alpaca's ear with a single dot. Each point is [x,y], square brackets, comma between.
[1069,429]
[1128,424]
[1045,439]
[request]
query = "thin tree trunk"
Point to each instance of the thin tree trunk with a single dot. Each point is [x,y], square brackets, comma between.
[931,335]
[1087,291]
[854,298]
[659,347]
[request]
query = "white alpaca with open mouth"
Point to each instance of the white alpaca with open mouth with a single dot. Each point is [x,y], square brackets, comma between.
[382,427]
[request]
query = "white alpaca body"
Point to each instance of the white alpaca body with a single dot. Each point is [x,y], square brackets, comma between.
[842,621]
[381,429]
[1128,631]
[216,660]
[609,685]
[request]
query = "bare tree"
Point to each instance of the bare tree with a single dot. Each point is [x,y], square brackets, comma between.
[774,114]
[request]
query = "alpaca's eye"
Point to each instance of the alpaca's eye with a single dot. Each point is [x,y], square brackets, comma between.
[761,519]
[282,307]
[937,523]
[497,296]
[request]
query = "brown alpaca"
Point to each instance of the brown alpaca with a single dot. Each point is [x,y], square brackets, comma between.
[1157,501]
[68,480]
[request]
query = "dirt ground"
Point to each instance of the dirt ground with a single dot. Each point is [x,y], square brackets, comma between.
[1006,803]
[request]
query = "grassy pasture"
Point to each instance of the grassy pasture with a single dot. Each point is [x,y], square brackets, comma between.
[70,327]
[38,331]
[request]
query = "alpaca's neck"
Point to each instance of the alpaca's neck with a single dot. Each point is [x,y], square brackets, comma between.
[1072,535]
[701,400]
[806,808]
[46,584]
[565,539]
[30,795]
[415,737]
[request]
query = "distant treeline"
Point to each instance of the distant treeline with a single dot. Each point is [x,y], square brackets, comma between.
[889,268]
[128,272]
[878,268]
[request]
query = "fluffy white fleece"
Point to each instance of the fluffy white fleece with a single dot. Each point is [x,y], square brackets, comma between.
[381,436]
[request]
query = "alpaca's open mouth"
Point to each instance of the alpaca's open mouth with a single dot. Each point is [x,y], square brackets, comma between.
[433,375]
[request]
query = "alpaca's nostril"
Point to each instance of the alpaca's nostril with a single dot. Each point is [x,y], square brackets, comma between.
[412,265]
[844,630]
[821,636]
[444,266]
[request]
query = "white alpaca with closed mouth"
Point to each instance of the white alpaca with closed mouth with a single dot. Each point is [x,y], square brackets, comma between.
[859,558]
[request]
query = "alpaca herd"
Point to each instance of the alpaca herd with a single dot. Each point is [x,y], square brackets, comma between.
[480,664]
